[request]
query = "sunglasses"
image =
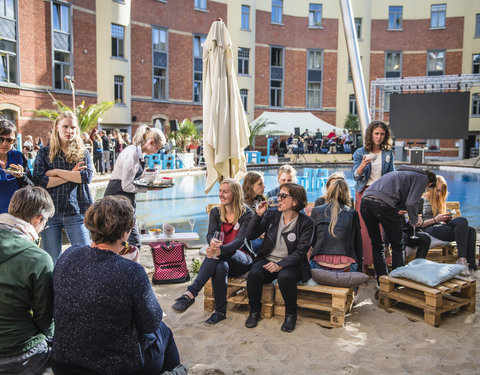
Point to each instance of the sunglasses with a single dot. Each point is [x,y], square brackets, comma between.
[283,196]
[10,141]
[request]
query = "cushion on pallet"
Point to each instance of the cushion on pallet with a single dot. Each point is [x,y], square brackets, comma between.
[427,272]
[340,279]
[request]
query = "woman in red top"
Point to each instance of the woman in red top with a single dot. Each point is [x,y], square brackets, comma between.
[228,257]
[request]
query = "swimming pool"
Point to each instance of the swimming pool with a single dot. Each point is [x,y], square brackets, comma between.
[188,199]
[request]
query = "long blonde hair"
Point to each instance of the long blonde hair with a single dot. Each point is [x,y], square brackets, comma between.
[239,207]
[338,195]
[76,148]
[438,201]
[145,132]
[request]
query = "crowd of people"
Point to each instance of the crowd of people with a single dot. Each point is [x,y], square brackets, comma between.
[107,317]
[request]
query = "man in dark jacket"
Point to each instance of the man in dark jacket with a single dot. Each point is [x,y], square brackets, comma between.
[106,151]
[26,279]
[384,203]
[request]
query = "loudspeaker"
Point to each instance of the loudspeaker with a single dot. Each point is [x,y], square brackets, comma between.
[173,125]
[297,131]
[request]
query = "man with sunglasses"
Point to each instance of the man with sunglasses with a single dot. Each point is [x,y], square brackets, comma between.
[14,171]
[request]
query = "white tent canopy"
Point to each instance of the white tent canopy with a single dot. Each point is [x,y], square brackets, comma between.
[286,122]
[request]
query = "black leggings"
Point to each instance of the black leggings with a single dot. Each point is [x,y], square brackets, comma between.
[457,230]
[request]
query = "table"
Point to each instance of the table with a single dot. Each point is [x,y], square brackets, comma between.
[182,236]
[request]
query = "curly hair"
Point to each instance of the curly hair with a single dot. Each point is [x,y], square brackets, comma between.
[76,148]
[387,141]
[108,218]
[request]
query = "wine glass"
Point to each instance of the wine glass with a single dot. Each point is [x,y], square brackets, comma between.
[415,237]
[191,221]
[272,202]
[218,238]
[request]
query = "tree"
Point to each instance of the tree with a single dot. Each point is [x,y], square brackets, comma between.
[88,117]
[185,131]
[351,123]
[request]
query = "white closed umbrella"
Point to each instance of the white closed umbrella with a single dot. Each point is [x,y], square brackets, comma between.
[225,126]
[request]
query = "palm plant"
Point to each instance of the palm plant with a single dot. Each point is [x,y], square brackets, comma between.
[88,117]
[351,123]
[185,131]
[255,130]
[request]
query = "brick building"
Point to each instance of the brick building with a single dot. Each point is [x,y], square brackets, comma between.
[290,56]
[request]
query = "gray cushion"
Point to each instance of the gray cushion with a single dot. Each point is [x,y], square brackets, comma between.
[340,279]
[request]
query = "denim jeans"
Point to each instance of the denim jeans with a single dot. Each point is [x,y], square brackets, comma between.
[219,269]
[52,236]
[375,213]
[315,265]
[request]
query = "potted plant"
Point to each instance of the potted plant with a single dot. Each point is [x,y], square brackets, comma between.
[186,131]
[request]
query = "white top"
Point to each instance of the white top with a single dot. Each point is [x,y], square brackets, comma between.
[126,167]
[183,236]
[376,171]
[280,251]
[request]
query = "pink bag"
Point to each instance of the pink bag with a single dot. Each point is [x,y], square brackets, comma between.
[169,262]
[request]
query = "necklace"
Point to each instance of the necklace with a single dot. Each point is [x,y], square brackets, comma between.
[109,249]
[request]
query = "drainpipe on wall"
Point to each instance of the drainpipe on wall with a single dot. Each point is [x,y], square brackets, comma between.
[355,64]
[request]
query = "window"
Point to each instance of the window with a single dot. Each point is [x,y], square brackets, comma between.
[62,45]
[314,78]
[349,74]
[386,101]
[352,105]
[277,9]
[276,77]
[315,15]
[477,25]
[243,60]
[476,105]
[395,17]
[197,68]
[393,64]
[245,17]
[118,89]
[200,4]
[438,15]
[8,42]
[118,37]
[244,96]
[358,27]
[476,63]
[435,63]
[160,63]
[433,144]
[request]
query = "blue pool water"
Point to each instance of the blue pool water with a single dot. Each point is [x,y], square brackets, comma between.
[188,199]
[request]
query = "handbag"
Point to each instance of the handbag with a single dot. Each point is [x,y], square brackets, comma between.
[169,262]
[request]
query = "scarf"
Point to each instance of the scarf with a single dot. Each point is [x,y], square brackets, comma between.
[19,225]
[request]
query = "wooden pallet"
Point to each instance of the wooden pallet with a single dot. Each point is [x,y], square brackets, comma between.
[324,305]
[455,293]
[237,294]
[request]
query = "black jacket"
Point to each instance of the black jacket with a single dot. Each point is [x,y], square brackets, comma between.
[215,224]
[297,249]
[348,240]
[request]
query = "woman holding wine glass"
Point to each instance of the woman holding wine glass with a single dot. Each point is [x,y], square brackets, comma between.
[226,254]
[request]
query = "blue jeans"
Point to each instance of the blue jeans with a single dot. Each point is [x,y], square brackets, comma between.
[52,236]
[219,269]
[315,265]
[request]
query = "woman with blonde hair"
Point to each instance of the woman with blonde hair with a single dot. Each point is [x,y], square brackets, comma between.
[333,177]
[440,224]
[371,162]
[129,167]
[227,258]
[119,142]
[286,174]
[338,239]
[65,169]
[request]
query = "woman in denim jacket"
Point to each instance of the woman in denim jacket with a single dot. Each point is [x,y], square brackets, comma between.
[371,162]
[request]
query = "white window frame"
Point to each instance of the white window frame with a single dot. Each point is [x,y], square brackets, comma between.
[277,11]
[198,39]
[436,19]
[316,93]
[245,21]
[63,66]
[476,105]
[391,70]
[358,27]
[119,89]
[243,61]
[200,4]
[278,91]
[313,14]
[393,16]
[162,79]
[244,96]
[476,63]
[120,41]
[429,61]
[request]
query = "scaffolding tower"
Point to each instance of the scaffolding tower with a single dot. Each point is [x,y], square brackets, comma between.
[426,84]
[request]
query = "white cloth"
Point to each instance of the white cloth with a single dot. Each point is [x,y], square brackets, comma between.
[280,251]
[126,167]
[225,126]
[376,171]
[20,225]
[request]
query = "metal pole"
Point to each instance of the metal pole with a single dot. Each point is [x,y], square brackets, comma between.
[355,64]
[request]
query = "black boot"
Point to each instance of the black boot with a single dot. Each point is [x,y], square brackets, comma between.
[252,320]
[289,322]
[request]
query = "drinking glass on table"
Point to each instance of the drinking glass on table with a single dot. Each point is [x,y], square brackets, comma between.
[414,237]
[191,221]
[218,238]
